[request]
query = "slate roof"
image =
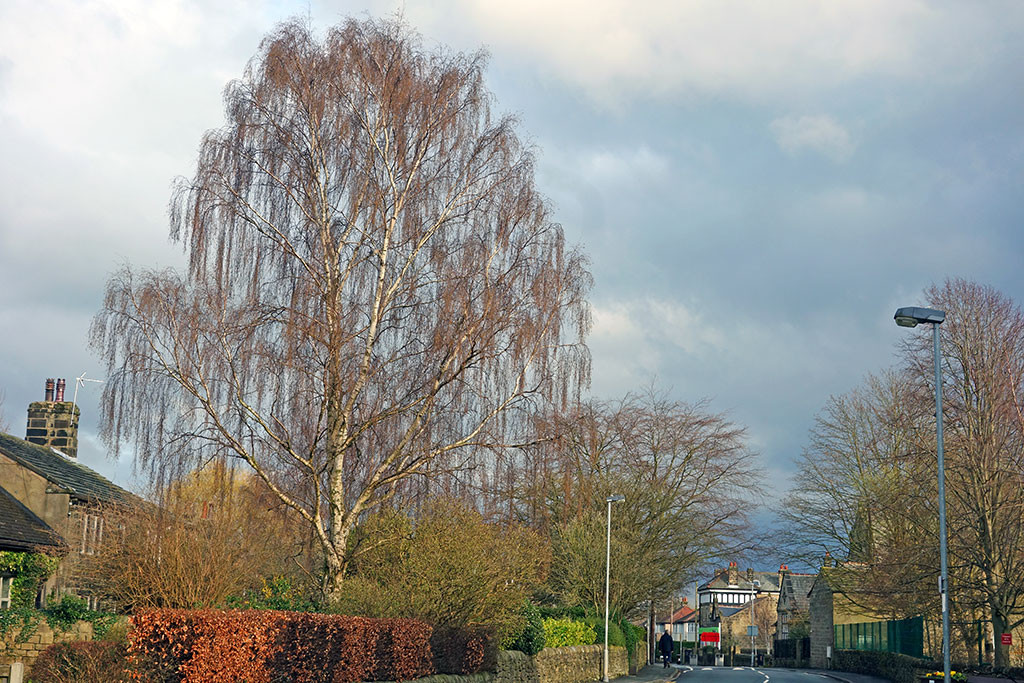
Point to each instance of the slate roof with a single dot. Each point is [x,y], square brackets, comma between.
[67,475]
[769,581]
[801,588]
[20,530]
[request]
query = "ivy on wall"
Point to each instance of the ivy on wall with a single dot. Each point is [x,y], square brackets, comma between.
[30,571]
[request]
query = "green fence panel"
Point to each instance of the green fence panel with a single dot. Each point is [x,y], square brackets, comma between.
[905,636]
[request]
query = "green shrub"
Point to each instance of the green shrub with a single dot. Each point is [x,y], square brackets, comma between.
[63,612]
[615,634]
[529,638]
[633,636]
[567,632]
[275,593]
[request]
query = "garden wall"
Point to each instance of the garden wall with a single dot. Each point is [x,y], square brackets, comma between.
[580,664]
[43,637]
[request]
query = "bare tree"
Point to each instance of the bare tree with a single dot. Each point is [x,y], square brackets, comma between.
[215,534]
[867,483]
[983,353]
[688,479]
[862,493]
[375,284]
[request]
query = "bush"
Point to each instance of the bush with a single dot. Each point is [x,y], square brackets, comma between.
[889,665]
[567,632]
[530,638]
[62,613]
[81,662]
[615,634]
[258,646]
[633,636]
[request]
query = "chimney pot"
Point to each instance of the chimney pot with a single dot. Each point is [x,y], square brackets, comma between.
[49,390]
[60,391]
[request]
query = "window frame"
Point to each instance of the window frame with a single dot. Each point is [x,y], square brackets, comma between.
[6,587]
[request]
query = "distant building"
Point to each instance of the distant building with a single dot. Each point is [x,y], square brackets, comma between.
[683,622]
[735,600]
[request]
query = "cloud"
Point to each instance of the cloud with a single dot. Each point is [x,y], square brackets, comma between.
[737,48]
[821,134]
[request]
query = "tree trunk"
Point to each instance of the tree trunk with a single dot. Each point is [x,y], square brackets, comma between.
[1002,652]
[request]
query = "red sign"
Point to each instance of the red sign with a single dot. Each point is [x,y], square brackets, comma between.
[709,637]
[1007,639]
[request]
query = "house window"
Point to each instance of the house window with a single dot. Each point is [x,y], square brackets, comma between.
[92,533]
[5,591]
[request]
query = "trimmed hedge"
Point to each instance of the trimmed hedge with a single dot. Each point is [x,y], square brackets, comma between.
[260,646]
[889,665]
[463,650]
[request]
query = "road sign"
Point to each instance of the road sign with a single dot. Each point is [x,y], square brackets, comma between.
[710,635]
[752,630]
[1007,639]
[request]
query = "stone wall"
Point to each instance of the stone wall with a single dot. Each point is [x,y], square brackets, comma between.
[581,664]
[43,637]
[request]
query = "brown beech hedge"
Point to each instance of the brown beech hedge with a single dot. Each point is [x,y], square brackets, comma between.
[264,646]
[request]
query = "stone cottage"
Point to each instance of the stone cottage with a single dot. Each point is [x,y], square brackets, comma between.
[57,503]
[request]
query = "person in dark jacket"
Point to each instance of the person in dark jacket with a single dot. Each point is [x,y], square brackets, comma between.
[665,647]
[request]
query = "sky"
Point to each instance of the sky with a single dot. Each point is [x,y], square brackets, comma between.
[758,185]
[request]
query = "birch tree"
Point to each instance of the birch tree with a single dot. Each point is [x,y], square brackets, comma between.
[374,283]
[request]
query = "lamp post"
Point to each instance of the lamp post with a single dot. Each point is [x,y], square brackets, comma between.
[911,316]
[608,575]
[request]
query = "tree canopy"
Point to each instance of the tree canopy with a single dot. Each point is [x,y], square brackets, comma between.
[375,286]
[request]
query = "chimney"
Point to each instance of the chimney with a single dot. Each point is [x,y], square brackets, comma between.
[783,570]
[734,574]
[53,422]
[827,560]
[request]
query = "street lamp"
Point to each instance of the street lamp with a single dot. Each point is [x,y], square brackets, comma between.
[607,577]
[911,316]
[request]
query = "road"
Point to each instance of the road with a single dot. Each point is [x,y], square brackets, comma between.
[746,674]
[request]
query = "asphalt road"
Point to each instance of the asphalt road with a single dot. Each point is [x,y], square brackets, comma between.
[745,674]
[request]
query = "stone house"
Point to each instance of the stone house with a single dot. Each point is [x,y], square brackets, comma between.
[58,502]
[21,531]
[829,606]
[794,602]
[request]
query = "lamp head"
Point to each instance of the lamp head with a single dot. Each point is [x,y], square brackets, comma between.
[910,316]
[614,499]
